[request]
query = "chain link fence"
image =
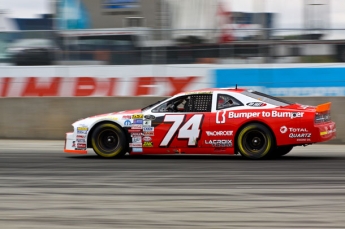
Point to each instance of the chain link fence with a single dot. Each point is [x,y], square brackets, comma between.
[137,46]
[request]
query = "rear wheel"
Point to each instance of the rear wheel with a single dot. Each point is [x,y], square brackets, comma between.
[281,151]
[255,141]
[108,140]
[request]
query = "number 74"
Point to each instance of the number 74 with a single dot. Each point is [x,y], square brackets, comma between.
[189,130]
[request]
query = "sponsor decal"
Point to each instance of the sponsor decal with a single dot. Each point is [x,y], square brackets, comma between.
[305,106]
[127,123]
[244,115]
[220,133]
[136,140]
[137,116]
[134,131]
[147,139]
[256,104]
[137,150]
[327,132]
[298,130]
[147,123]
[137,126]
[300,135]
[220,117]
[81,131]
[136,134]
[73,144]
[147,144]
[137,121]
[283,129]
[137,144]
[146,129]
[79,136]
[126,117]
[81,140]
[82,128]
[149,117]
[219,143]
[277,114]
[303,139]
[148,133]
[81,145]
[266,114]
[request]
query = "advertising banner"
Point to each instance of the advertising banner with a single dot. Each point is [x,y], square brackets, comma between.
[167,80]
[58,81]
[292,81]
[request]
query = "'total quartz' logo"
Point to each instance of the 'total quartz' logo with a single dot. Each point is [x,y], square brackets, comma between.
[283,129]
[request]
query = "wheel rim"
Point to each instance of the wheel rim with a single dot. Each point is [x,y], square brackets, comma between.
[108,140]
[254,141]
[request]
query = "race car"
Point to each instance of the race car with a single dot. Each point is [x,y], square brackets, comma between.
[208,121]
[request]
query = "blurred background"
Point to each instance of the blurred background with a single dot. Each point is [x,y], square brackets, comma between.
[139,32]
[162,47]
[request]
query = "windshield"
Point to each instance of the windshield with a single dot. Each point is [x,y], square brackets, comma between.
[153,104]
[266,98]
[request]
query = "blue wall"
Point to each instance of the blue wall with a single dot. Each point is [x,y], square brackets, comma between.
[286,81]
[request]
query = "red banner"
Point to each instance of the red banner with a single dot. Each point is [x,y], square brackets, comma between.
[94,86]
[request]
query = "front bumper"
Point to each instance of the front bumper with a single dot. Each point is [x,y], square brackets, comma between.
[75,145]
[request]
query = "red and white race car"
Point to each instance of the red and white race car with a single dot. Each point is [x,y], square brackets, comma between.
[209,121]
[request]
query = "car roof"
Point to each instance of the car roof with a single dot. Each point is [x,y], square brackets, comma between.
[235,90]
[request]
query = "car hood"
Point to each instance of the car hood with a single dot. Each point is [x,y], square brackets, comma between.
[107,116]
[117,113]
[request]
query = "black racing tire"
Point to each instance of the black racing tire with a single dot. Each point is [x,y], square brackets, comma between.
[255,141]
[281,151]
[108,140]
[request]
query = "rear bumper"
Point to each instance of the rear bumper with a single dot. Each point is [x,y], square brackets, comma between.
[326,131]
[73,146]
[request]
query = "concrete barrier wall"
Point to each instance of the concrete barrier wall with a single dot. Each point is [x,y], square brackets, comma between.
[51,118]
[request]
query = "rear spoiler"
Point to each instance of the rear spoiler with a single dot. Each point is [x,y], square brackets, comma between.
[323,107]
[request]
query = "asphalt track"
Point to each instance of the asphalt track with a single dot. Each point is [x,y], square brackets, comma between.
[41,187]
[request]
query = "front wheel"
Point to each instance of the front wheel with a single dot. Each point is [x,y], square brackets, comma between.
[108,140]
[255,141]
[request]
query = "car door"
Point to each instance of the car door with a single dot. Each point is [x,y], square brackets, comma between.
[221,129]
[180,122]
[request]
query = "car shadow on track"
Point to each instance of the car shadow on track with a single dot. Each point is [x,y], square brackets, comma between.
[204,157]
